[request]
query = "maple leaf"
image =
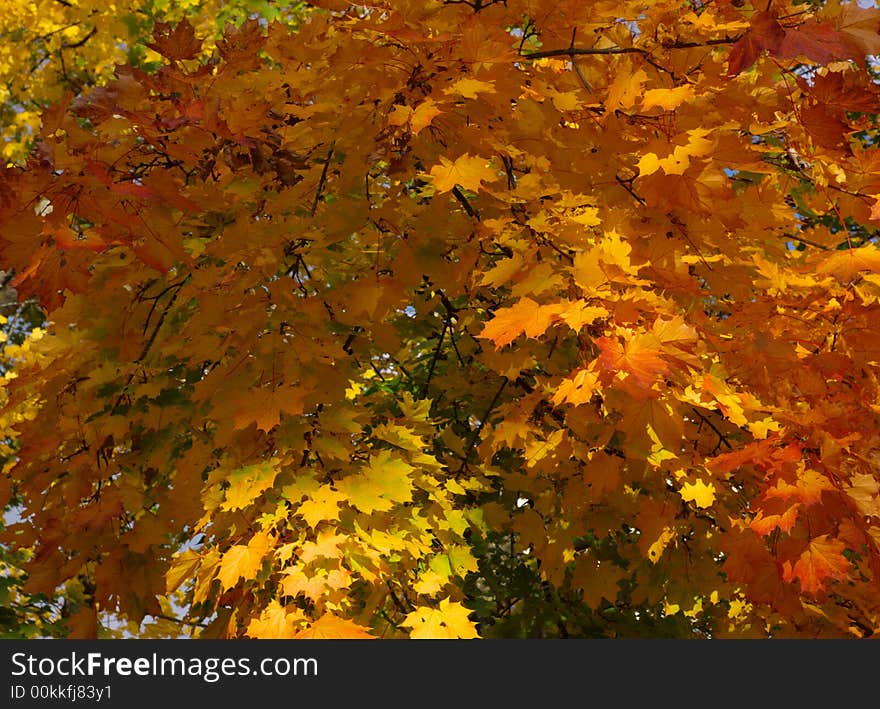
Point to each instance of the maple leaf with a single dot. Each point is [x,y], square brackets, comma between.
[322,505]
[863,489]
[325,547]
[179,42]
[819,41]
[525,317]
[822,560]
[384,482]
[580,313]
[808,488]
[469,87]
[860,27]
[243,560]
[578,388]
[467,171]
[701,494]
[763,523]
[296,581]
[276,622]
[449,620]
[843,265]
[330,626]
[637,354]
[764,32]
[667,99]
[430,583]
[248,483]
[418,118]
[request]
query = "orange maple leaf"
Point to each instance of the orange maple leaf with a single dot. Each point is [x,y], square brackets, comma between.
[822,560]
[526,316]
[808,488]
[843,265]
[179,42]
[764,524]
[639,355]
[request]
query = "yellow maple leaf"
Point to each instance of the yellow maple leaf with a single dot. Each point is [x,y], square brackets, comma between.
[182,567]
[323,504]
[312,585]
[701,494]
[276,622]
[326,547]
[577,389]
[625,89]
[469,87]
[667,99]
[383,483]
[330,626]
[467,170]
[423,114]
[460,559]
[580,313]
[248,483]
[399,115]
[243,561]
[449,620]
[430,582]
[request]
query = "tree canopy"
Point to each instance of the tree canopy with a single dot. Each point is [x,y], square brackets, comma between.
[454,319]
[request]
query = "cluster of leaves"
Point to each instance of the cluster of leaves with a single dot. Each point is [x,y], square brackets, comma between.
[48,47]
[446,319]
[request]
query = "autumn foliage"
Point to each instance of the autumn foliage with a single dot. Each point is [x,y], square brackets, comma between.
[458,319]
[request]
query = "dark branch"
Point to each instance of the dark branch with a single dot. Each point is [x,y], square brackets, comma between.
[485,417]
[468,207]
[594,51]
[323,179]
[434,359]
[721,437]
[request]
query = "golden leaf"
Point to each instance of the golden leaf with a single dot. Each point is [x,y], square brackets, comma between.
[467,171]
[448,620]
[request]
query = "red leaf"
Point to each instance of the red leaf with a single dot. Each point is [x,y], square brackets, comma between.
[817,41]
[765,33]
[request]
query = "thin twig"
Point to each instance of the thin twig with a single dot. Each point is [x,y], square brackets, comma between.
[193,623]
[435,358]
[598,51]
[721,437]
[468,207]
[482,423]
[323,179]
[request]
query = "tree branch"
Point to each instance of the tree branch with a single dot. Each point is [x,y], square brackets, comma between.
[435,358]
[485,417]
[468,207]
[323,179]
[599,51]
